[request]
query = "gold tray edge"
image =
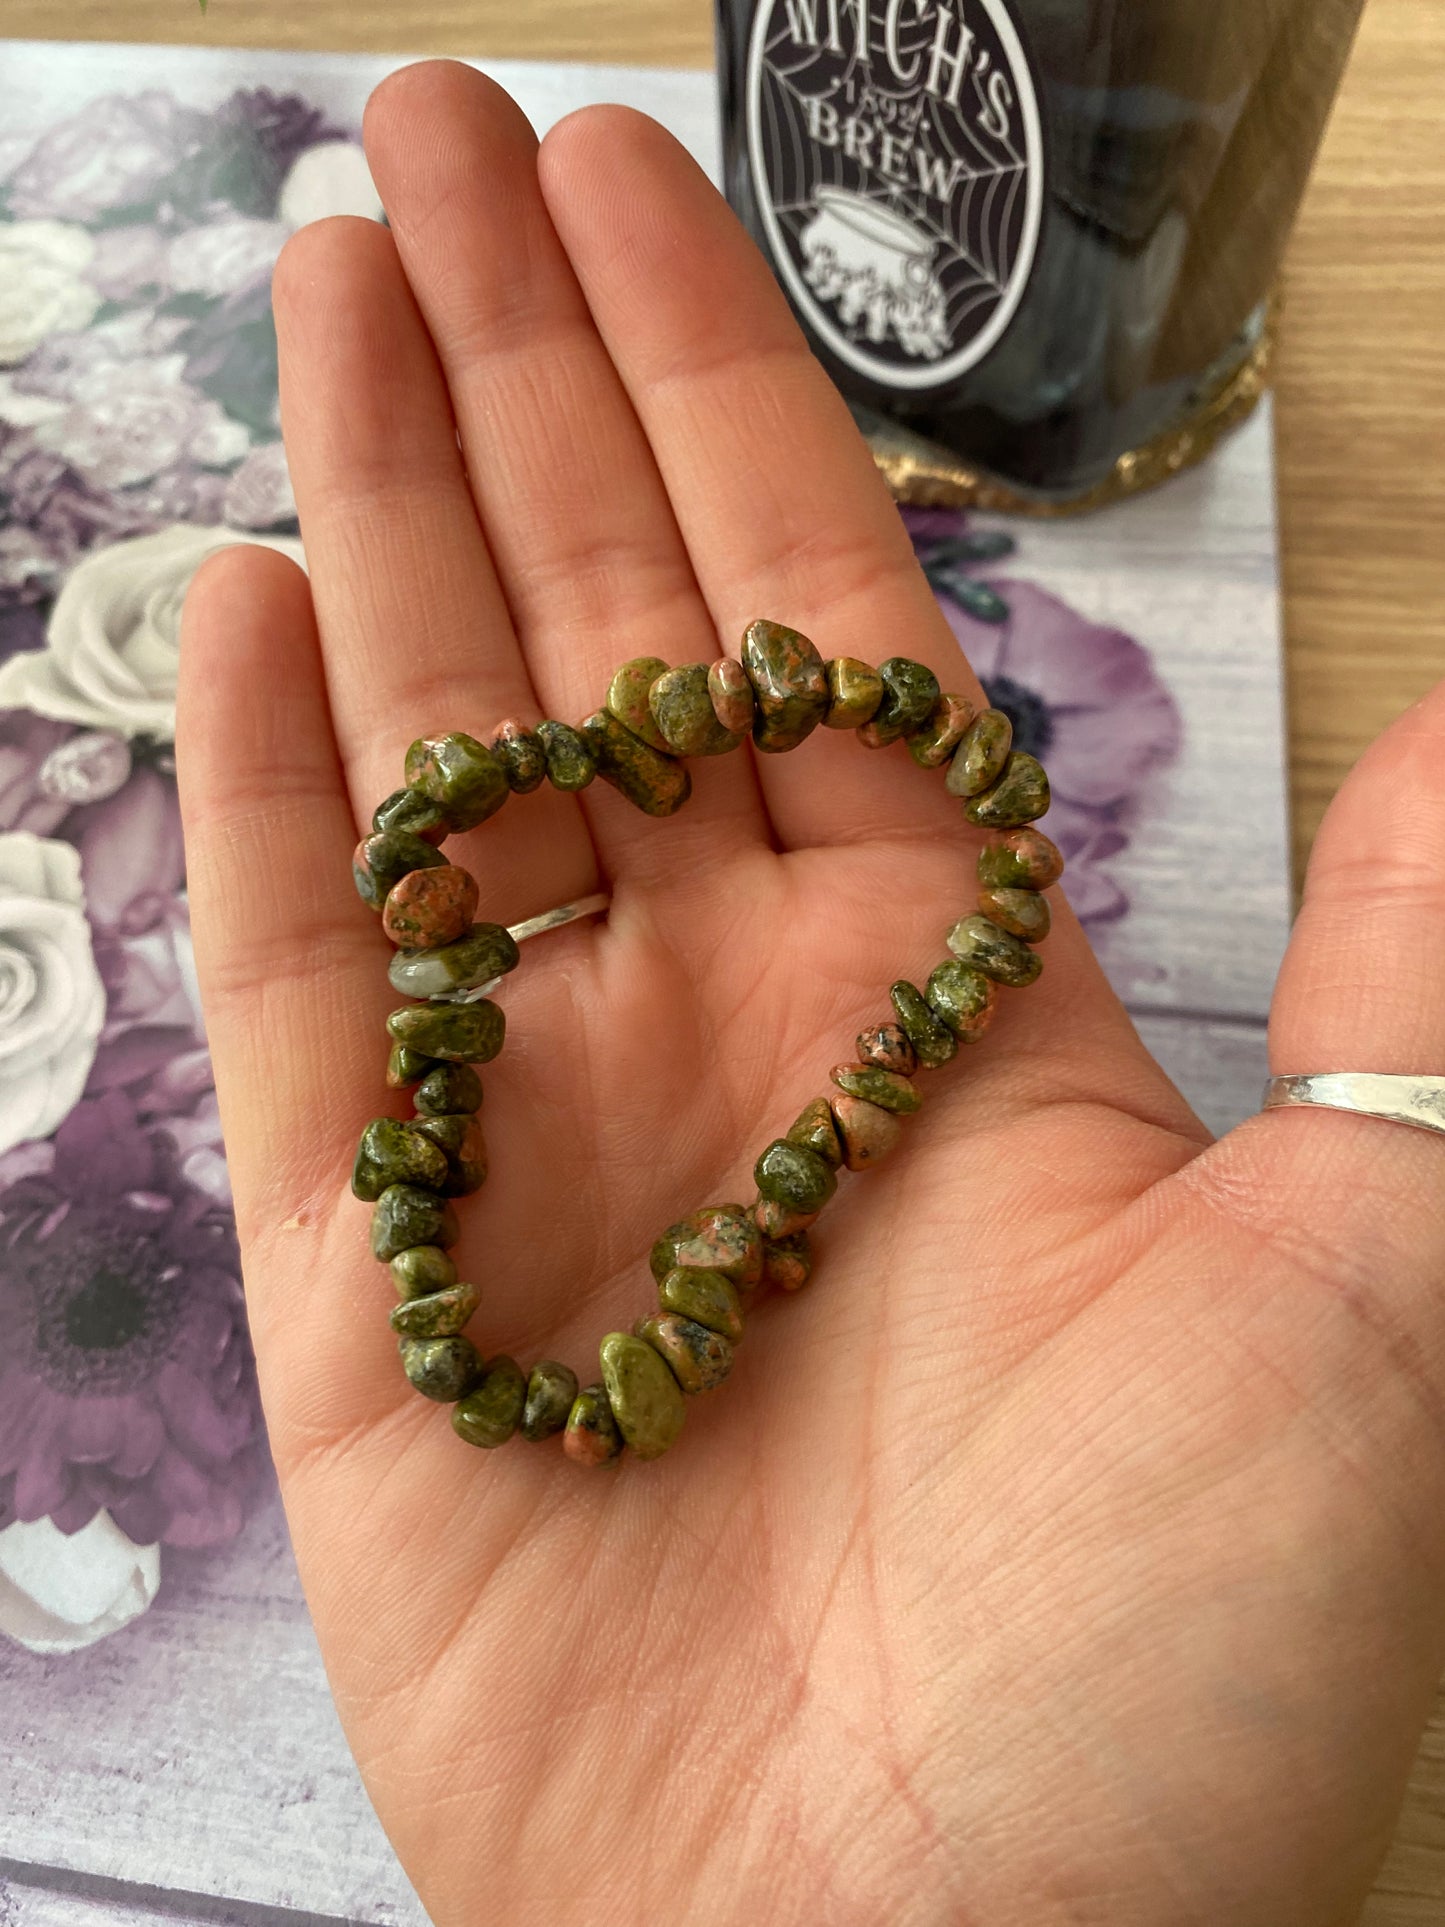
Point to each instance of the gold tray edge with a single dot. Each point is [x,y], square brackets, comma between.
[926,480]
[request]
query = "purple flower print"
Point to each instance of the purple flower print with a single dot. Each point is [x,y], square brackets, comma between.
[115,154]
[61,363]
[280,126]
[113,403]
[119,432]
[222,256]
[132,858]
[132,862]
[137,400]
[87,767]
[231,354]
[252,143]
[33,487]
[27,743]
[29,566]
[181,493]
[126,1376]
[146,978]
[1086,699]
[51,516]
[1088,841]
[129,262]
[22,627]
[259,495]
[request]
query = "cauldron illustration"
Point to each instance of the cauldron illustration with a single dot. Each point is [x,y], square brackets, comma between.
[877,267]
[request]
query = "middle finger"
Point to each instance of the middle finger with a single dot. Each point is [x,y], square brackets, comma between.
[571,502]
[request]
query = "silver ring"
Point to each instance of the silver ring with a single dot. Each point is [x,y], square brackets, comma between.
[1417,1101]
[554,919]
[519,932]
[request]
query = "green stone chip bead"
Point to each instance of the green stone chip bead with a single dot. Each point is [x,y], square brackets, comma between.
[682,708]
[391,1152]
[447,1089]
[459,773]
[492,1410]
[628,698]
[464,1150]
[790,685]
[814,1127]
[592,1437]
[855,689]
[887,1046]
[889,1090]
[793,1175]
[663,1256]
[869,1133]
[405,1067]
[963,998]
[570,763]
[418,815]
[719,1237]
[934,1044]
[1023,913]
[1022,859]
[383,859]
[429,908]
[646,1399]
[421,1270]
[698,1359]
[1019,796]
[733,702]
[487,951]
[705,1296]
[456,1033]
[551,1388]
[519,751]
[910,692]
[406,1215]
[980,943]
[437,1314]
[440,1368]
[788,1262]
[780,1220]
[981,756]
[652,782]
[932,743]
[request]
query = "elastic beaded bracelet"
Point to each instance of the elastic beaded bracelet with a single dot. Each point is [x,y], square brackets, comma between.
[712,1266]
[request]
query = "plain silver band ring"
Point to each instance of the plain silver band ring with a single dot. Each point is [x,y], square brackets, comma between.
[554,919]
[1417,1101]
[474,993]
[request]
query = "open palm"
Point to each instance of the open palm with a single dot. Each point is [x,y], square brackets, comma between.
[1071,1549]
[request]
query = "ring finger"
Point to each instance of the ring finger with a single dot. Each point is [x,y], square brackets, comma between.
[415,629]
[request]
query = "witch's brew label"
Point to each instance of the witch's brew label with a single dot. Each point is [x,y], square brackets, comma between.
[897,162]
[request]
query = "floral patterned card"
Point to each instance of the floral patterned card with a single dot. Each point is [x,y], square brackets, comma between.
[171,1750]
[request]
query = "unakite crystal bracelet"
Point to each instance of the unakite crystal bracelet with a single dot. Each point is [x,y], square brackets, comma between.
[712,1266]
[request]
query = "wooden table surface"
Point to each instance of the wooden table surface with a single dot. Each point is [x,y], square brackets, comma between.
[1360,394]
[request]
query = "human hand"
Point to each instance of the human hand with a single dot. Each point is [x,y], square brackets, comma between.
[1071,1549]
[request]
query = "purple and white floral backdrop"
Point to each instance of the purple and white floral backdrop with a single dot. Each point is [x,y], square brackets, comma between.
[138,432]
[144,197]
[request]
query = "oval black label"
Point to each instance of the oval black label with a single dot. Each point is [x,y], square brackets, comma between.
[897,160]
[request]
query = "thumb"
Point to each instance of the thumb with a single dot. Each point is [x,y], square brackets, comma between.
[1358,1203]
[1361,987]
[1324,1240]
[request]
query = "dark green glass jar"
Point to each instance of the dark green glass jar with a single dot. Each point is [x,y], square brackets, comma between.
[1039,233]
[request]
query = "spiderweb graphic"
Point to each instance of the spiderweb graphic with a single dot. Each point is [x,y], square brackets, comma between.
[922,127]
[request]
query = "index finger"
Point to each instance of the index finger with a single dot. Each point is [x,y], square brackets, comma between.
[776,494]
